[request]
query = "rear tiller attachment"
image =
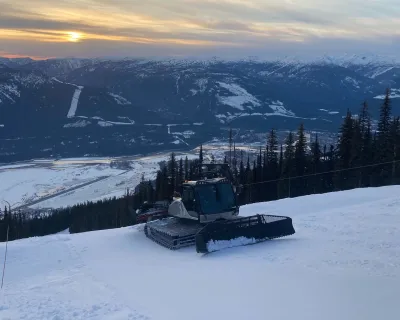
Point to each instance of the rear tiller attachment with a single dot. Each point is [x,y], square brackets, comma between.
[242,231]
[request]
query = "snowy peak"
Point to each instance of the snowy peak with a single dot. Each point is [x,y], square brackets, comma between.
[56,67]
[365,59]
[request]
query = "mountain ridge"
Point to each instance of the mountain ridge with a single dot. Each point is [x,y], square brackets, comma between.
[75,107]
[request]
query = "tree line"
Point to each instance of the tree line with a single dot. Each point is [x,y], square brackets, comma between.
[363,156]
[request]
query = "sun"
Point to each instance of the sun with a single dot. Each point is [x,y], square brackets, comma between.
[74,36]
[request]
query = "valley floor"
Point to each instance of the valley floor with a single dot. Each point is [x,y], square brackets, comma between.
[342,263]
[66,182]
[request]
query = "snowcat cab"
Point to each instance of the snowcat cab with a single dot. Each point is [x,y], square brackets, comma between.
[206,214]
[205,201]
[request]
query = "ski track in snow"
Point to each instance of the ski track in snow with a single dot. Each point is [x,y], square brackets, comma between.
[342,263]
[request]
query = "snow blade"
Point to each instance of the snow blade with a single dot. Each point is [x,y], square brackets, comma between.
[222,234]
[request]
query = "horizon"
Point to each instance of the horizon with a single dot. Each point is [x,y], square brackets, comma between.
[180,28]
[357,58]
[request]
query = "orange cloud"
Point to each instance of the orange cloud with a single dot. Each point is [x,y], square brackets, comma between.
[16,56]
[76,24]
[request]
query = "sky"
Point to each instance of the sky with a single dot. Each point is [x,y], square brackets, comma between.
[179,28]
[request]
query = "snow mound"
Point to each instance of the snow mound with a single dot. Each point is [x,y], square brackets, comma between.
[342,263]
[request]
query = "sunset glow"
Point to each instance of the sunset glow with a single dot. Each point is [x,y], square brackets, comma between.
[196,26]
[74,36]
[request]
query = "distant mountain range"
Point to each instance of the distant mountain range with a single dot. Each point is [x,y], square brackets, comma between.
[76,107]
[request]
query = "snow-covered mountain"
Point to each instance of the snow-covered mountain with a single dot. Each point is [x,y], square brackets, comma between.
[103,106]
[343,262]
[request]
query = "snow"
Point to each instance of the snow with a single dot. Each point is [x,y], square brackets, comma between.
[348,59]
[279,109]
[9,91]
[74,102]
[328,111]
[177,83]
[202,84]
[90,179]
[119,99]
[240,98]
[14,166]
[379,71]
[353,82]
[224,244]
[186,134]
[23,185]
[115,185]
[104,124]
[77,124]
[394,93]
[342,263]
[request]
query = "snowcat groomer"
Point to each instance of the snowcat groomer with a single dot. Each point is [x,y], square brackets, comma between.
[205,213]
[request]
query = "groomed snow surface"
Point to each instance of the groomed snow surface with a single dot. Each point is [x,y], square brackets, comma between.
[342,263]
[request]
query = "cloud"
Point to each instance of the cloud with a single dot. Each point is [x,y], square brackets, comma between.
[191,24]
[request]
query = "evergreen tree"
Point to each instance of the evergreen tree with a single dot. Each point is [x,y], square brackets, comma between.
[300,162]
[367,156]
[385,151]
[316,166]
[394,142]
[273,167]
[186,174]
[201,155]
[288,167]
[384,118]
[172,173]
[356,155]
[344,153]
[364,118]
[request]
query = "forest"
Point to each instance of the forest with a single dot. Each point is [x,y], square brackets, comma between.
[367,154]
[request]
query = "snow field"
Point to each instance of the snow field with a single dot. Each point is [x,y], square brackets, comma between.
[115,185]
[342,263]
[24,183]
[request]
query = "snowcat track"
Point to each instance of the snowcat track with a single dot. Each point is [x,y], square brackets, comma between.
[172,233]
[254,229]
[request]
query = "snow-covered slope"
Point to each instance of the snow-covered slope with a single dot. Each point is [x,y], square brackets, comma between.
[343,263]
